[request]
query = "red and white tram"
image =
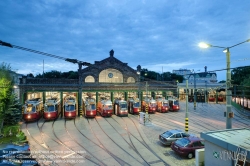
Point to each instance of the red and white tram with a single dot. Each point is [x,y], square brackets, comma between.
[70,107]
[105,108]
[162,105]
[33,109]
[90,107]
[134,106]
[121,107]
[174,104]
[52,108]
[149,105]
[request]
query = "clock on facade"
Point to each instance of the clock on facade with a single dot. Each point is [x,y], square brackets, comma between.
[110,75]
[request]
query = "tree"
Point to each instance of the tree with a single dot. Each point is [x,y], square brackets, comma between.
[239,74]
[58,74]
[9,107]
[166,76]
[240,79]
[13,113]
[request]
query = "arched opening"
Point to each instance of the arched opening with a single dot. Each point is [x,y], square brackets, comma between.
[130,80]
[111,75]
[89,79]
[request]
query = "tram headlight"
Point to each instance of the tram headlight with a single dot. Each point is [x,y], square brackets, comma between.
[91,113]
[69,114]
[48,115]
[28,116]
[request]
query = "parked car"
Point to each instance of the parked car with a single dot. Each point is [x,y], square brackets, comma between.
[187,146]
[170,136]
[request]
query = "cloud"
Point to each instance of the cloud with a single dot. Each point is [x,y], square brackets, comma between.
[147,33]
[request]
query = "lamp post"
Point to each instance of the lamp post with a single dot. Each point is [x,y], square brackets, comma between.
[206,92]
[139,82]
[195,89]
[228,80]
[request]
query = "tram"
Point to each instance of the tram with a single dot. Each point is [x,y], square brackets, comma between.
[69,107]
[211,98]
[52,108]
[134,106]
[105,108]
[162,105]
[90,108]
[150,105]
[220,98]
[121,107]
[32,109]
[173,104]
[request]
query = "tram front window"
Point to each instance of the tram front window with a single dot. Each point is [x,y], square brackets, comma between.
[137,104]
[108,107]
[70,108]
[30,109]
[93,107]
[123,105]
[176,102]
[165,104]
[50,108]
[153,104]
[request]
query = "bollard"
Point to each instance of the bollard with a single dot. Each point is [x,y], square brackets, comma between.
[186,124]
[146,108]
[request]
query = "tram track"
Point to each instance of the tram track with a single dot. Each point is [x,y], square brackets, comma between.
[39,154]
[151,133]
[120,147]
[131,144]
[100,145]
[143,142]
[202,115]
[69,149]
[237,121]
[218,115]
[87,157]
[240,118]
[55,140]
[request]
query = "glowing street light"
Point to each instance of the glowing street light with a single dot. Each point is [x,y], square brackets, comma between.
[229,113]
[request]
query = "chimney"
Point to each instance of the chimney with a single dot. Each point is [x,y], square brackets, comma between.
[205,69]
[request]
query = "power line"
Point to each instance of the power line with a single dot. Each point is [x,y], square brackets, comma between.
[46,54]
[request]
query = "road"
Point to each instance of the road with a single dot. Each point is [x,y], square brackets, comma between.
[121,140]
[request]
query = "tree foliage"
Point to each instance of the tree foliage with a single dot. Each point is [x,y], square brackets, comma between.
[10,109]
[166,76]
[58,74]
[13,112]
[241,79]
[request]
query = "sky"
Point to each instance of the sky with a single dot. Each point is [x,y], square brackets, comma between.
[159,35]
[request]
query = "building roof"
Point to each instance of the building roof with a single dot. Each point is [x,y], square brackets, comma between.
[202,85]
[230,139]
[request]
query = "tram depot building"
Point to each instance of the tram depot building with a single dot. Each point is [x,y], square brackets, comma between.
[106,79]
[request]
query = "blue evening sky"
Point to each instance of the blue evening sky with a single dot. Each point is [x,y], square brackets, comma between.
[160,35]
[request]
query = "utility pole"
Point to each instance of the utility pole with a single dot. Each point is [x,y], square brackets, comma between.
[186,115]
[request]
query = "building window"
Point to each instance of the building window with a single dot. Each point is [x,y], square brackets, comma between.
[111,75]
[89,79]
[131,80]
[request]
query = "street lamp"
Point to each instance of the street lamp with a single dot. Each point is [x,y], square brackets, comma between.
[228,80]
